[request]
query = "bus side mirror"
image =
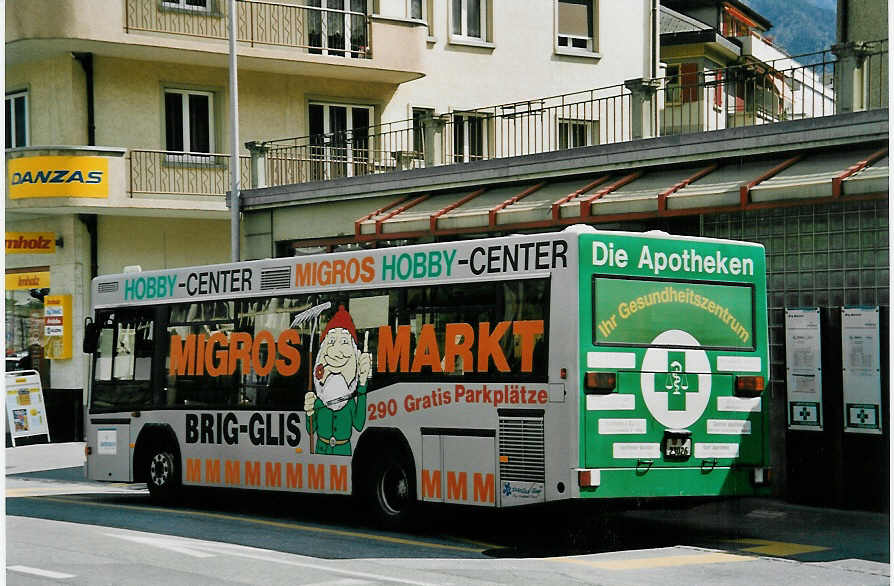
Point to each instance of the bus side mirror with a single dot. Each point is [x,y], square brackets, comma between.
[91,336]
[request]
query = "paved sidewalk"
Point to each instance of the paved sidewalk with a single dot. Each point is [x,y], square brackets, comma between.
[44,457]
[55,469]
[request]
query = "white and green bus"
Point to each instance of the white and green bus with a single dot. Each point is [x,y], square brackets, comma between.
[499,372]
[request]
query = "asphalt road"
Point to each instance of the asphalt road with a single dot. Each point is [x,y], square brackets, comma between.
[99,533]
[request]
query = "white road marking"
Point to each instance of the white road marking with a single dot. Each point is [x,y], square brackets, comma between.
[164,543]
[189,547]
[342,582]
[39,572]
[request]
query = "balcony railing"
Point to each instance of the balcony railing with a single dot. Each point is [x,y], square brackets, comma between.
[743,95]
[312,30]
[168,173]
[376,149]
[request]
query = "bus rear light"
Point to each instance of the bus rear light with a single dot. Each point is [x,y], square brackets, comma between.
[88,450]
[600,382]
[588,478]
[749,386]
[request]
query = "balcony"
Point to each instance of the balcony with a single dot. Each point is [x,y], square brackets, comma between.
[55,180]
[273,37]
[692,102]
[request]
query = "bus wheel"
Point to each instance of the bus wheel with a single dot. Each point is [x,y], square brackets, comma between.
[163,476]
[393,492]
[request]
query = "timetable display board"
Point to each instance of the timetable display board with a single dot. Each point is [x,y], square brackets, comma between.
[803,369]
[860,370]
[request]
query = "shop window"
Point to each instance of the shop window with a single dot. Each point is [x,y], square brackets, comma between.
[24,317]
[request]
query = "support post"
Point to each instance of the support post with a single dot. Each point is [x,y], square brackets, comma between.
[643,107]
[403,160]
[849,82]
[433,140]
[234,136]
[258,152]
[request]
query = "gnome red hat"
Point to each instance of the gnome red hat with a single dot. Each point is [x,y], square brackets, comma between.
[341,319]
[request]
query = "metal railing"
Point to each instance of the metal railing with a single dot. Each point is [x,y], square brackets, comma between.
[875,75]
[597,116]
[349,153]
[183,174]
[686,102]
[747,95]
[311,29]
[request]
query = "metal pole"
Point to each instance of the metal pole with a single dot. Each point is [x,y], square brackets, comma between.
[234,144]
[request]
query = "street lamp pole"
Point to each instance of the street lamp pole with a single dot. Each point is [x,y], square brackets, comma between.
[234,134]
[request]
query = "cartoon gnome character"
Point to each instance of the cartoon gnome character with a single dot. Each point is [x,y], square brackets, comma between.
[341,371]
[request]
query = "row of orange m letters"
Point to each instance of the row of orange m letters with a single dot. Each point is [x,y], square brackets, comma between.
[219,353]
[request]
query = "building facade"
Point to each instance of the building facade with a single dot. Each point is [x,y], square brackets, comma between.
[118,119]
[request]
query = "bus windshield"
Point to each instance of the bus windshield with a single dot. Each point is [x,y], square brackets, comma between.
[633,311]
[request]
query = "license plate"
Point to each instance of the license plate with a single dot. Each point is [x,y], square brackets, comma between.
[678,447]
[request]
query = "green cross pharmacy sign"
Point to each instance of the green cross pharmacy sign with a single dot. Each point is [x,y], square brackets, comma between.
[676,384]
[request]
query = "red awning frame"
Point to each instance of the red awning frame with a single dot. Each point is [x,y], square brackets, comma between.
[586,205]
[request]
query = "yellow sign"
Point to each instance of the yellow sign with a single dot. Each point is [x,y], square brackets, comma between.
[57,326]
[30,242]
[25,281]
[29,177]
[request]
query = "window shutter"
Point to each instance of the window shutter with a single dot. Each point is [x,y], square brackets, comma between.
[718,89]
[689,81]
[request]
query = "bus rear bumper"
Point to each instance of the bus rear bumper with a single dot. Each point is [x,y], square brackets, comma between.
[644,482]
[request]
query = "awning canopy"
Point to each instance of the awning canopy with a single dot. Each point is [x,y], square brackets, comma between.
[728,185]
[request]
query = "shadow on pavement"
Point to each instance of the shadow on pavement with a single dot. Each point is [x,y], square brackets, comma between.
[559,529]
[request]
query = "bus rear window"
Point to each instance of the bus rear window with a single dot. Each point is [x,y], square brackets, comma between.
[633,312]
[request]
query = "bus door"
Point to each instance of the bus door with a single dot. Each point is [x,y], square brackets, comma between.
[122,387]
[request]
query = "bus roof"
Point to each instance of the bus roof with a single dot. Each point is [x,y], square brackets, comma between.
[515,256]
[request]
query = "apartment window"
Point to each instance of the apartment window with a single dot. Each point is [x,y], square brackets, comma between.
[682,83]
[419,116]
[16,120]
[340,30]
[469,137]
[576,133]
[672,85]
[576,25]
[732,26]
[468,18]
[203,5]
[189,121]
[417,9]
[339,140]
